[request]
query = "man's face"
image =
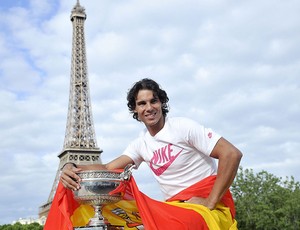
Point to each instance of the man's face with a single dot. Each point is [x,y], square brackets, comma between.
[149,110]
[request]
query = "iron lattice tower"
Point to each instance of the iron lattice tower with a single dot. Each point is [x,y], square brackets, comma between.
[80,145]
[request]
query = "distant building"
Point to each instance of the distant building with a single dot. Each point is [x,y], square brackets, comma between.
[31,220]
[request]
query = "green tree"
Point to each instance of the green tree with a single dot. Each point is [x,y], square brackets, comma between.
[266,202]
[18,226]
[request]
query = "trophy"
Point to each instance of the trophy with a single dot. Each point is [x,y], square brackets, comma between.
[95,188]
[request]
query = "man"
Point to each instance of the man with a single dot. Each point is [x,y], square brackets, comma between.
[179,151]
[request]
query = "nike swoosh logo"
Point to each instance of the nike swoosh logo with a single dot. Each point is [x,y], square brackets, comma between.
[164,167]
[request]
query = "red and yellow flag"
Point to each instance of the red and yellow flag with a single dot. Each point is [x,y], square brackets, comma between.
[137,210]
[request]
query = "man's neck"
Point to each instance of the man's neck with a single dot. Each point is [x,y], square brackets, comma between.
[153,130]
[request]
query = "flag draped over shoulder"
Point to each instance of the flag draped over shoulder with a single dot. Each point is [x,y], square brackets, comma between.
[138,211]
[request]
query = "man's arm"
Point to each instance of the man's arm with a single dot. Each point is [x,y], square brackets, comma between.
[71,180]
[119,163]
[229,159]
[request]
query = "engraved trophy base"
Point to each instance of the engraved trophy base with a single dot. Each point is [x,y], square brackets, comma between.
[91,228]
[106,227]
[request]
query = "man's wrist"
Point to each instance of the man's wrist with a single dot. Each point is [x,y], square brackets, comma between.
[72,163]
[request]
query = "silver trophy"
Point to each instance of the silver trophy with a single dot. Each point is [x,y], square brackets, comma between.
[95,188]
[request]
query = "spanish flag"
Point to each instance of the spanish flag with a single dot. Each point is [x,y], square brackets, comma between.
[138,211]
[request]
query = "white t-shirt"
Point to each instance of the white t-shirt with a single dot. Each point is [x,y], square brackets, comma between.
[178,155]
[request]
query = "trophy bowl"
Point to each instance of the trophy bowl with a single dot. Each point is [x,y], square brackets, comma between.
[95,188]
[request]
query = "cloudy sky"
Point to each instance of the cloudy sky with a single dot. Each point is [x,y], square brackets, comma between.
[233,66]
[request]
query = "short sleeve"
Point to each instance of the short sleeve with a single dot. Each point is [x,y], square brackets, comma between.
[203,139]
[133,151]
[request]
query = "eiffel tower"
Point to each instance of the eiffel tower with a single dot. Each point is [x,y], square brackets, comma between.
[80,146]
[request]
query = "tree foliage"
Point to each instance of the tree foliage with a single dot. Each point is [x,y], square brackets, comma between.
[18,226]
[266,202]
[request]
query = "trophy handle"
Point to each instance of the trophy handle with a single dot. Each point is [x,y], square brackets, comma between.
[126,174]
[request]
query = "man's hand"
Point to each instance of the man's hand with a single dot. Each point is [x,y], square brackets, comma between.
[203,201]
[69,178]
